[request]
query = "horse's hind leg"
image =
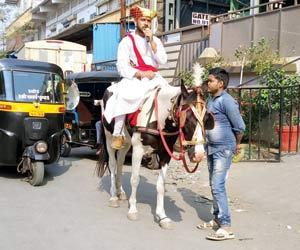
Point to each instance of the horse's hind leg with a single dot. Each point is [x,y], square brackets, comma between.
[137,154]
[119,189]
[120,162]
[164,221]
[113,201]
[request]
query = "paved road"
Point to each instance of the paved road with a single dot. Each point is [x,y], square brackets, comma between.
[69,212]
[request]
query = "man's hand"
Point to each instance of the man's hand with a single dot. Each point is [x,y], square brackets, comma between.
[148,34]
[149,74]
[149,37]
[142,74]
[238,149]
[238,137]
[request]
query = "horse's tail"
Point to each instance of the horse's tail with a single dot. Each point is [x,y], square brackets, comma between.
[102,163]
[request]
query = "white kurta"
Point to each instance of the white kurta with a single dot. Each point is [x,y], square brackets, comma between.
[130,92]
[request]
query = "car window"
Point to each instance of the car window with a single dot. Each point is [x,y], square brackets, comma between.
[32,86]
[37,86]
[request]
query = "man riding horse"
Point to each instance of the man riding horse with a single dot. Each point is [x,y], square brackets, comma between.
[167,113]
[139,55]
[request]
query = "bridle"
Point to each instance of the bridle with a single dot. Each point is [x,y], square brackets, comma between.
[179,114]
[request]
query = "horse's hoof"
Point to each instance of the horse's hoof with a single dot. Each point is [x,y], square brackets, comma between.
[122,197]
[132,216]
[113,203]
[166,224]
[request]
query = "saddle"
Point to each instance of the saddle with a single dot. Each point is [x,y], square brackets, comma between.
[132,118]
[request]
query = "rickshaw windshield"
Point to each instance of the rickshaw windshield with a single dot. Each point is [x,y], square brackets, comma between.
[37,86]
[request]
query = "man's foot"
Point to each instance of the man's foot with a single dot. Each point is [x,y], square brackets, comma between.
[212,224]
[221,234]
[117,142]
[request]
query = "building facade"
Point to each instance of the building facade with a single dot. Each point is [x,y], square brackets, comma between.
[86,21]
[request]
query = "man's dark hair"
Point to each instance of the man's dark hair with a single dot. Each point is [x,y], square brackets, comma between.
[221,75]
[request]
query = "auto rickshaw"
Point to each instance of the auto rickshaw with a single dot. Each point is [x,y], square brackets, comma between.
[31,116]
[82,113]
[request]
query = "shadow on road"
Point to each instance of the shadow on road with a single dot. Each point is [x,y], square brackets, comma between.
[146,194]
[201,204]
[51,170]
[10,172]
[82,153]
[56,169]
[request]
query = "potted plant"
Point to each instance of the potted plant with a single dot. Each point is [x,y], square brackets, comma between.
[290,134]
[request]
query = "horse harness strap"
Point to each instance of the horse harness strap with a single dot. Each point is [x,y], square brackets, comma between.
[199,113]
[154,131]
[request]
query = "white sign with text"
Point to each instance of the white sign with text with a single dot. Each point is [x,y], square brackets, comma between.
[200,18]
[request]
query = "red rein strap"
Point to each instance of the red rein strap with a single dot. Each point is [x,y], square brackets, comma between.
[161,133]
[141,64]
[181,138]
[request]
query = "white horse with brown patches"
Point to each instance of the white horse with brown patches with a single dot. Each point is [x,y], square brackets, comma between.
[169,113]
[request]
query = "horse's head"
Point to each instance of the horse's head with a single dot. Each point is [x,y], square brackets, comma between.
[192,116]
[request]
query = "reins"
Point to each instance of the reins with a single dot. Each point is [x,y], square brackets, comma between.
[182,141]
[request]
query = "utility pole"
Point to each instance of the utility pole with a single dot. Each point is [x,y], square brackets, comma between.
[123,17]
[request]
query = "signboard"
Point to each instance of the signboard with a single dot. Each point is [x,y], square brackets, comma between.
[200,18]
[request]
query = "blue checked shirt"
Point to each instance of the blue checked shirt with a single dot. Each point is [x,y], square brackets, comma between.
[228,122]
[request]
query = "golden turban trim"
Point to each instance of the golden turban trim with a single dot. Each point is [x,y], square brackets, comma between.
[137,12]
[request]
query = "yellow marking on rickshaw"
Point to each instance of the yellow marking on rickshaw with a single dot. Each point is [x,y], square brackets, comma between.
[58,108]
[37,113]
[5,107]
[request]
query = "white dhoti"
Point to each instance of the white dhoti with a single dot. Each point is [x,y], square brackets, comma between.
[129,95]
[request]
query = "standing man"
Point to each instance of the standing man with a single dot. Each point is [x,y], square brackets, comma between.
[223,141]
[139,55]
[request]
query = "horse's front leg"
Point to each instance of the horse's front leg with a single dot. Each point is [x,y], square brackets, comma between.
[164,221]
[137,155]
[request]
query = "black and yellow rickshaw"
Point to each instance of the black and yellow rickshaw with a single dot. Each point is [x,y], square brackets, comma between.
[31,116]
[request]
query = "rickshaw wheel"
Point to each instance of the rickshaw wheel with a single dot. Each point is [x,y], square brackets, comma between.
[36,175]
[65,150]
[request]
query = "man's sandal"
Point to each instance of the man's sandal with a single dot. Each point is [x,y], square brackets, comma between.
[220,234]
[208,225]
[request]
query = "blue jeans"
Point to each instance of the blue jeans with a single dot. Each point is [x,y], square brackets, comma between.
[98,132]
[218,166]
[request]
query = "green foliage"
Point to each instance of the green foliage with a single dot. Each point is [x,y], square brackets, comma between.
[261,58]
[187,75]
[187,78]
[258,57]
[217,61]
